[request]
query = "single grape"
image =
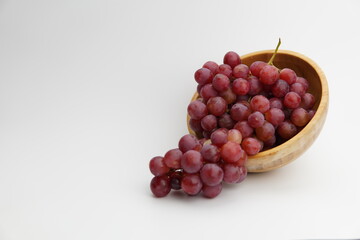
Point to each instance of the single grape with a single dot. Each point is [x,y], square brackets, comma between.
[241,71]
[211,191]
[197,110]
[216,106]
[230,152]
[232,173]
[269,75]
[172,158]
[225,121]
[288,75]
[229,96]
[280,88]
[189,142]
[245,129]
[221,82]
[304,82]
[211,174]
[191,184]
[209,122]
[298,88]
[276,103]
[270,142]
[239,112]
[275,116]
[286,130]
[191,161]
[260,103]
[234,135]
[160,186]
[225,69]
[210,153]
[208,91]
[158,167]
[219,137]
[292,100]
[195,125]
[240,86]
[232,59]
[203,76]
[311,113]
[175,180]
[212,66]
[265,132]
[256,67]
[251,145]
[308,101]
[256,119]
[300,117]
[255,86]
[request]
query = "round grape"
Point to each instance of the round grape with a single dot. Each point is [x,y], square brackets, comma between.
[212,66]
[260,103]
[210,153]
[211,174]
[240,86]
[229,96]
[189,142]
[211,192]
[232,59]
[208,91]
[158,167]
[298,88]
[275,116]
[219,137]
[234,135]
[209,122]
[197,110]
[239,112]
[216,106]
[288,75]
[245,129]
[172,158]
[160,186]
[230,152]
[280,88]
[232,173]
[300,117]
[251,145]
[308,101]
[286,130]
[256,67]
[265,132]
[256,119]
[221,82]
[255,86]
[191,184]
[225,121]
[191,161]
[292,100]
[269,75]
[203,76]
[225,69]
[241,71]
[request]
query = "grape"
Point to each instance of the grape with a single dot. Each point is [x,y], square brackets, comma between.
[158,167]
[209,122]
[210,153]
[175,180]
[197,110]
[269,74]
[298,88]
[232,173]
[243,158]
[251,145]
[211,192]
[203,76]
[230,152]
[195,125]
[304,82]
[221,82]
[225,69]
[240,86]
[211,174]
[243,174]
[239,112]
[228,95]
[275,116]
[172,158]
[280,88]
[288,75]
[308,101]
[245,129]
[198,88]
[191,184]
[270,142]
[286,130]
[241,71]
[216,106]
[276,103]
[225,121]
[300,117]
[265,132]
[232,59]
[191,161]
[234,135]
[260,103]
[208,91]
[219,137]
[189,142]
[256,67]
[292,100]
[212,66]
[311,113]
[160,186]
[255,86]
[256,119]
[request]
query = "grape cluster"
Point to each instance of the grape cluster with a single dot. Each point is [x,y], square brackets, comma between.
[241,110]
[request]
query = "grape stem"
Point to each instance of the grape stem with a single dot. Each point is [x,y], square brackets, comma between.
[274,54]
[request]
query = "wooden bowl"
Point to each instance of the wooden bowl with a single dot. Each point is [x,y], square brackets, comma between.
[290,150]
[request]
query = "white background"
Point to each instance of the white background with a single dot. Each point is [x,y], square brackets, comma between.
[91,90]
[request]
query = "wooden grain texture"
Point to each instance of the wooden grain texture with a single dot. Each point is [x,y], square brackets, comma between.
[290,150]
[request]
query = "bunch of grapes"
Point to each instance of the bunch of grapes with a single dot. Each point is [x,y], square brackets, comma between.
[241,110]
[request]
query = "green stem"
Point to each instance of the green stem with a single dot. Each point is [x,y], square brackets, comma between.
[274,54]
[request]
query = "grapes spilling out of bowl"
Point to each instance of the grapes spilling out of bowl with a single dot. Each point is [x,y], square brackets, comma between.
[241,110]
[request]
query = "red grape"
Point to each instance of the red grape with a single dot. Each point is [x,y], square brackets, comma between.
[160,186]
[276,103]
[191,184]
[208,91]
[219,137]
[251,145]
[245,129]
[211,174]
[175,180]
[300,117]
[292,100]
[230,152]
[255,86]
[209,122]
[286,130]
[298,88]
[240,86]
[189,142]
[241,71]
[304,82]
[265,132]
[239,112]
[234,135]
[288,75]
[216,106]
[308,101]
[232,59]
[212,66]
[191,161]
[275,116]
[158,167]
[232,173]
[228,95]
[225,69]
[197,110]
[269,74]
[211,192]
[256,67]
[260,103]
[256,119]
[203,76]
[172,158]
[280,88]
[210,153]
[221,82]
[225,121]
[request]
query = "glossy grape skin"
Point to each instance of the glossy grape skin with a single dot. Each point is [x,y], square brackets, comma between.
[188,142]
[191,184]
[157,166]
[299,117]
[256,119]
[211,174]
[251,145]
[197,110]
[280,88]
[175,180]
[209,122]
[219,137]
[241,71]
[220,82]
[234,135]
[239,112]
[292,100]
[245,129]
[210,153]
[265,132]
[288,75]
[225,121]
[298,88]
[160,186]
[255,86]
[230,152]
[286,130]
[260,103]
[225,69]
[269,75]
[216,106]
[208,91]
[191,161]
[304,82]
[240,86]
[211,191]
[232,173]
[275,116]
[308,101]
[256,67]
[203,76]
[172,158]
[229,96]
[232,59]
[212,66]
[276,103]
